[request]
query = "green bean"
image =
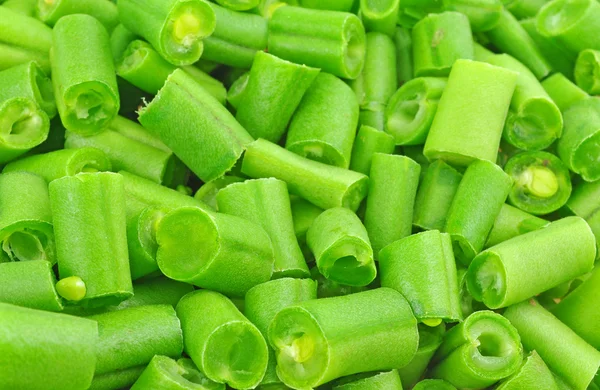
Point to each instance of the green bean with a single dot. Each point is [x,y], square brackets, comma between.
[379,16]
[512,222]
[411,11]
[483,15]
[24,7]
[531,263]
[333,5]
[117,379]
[533,374]
[237,89]
[433,384]
[369,141]
[29,284]
[404,56]
[207,193]
[239,5]
[585,203]
[28,80]
[175,28]
[568,356]
[120,38]
[430,338]
[141,241]
[587,71]
[223,343]
[11,56]
[21,31]
[523,9]
[168,374]
[105,11]
[35,345]
[563,92]
[324,124]
[304,214]
[382,380]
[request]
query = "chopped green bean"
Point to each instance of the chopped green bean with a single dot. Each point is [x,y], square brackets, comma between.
[29,284]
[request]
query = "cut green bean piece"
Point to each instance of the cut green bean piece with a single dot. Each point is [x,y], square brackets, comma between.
[36,344]
[585,203]
[235,93]
[60,163]
[11,56]
[411,11]
[483,15]
[21,31]
[410,111]
[422,268]
[435,195]
[131,337]
[50,11]
[430,338]
[574,23]
[541,182]
[214,251]
[238,36]
[392,189]
[223,343]
[367,143]
[304,214]
[311,337]
[532,263]
[433,384]
[512,222]
[523,9]
[266,202]
[24,7]
[563,92]
[478,352]
[384,380]
[28,80]
[587,71]
[168,374]
[438,41]
[141,241]
[379,15]
[88,212]
[25,219]
[579,147]
[332,5]
[175,28]
[29,284]
[85,84]
[342,248]
[323,185]
[208,192]
[333,41]
[574,361]
[239,5]
[533,374]
[476,204]
[327,288]
[120,38]
[324,124]
[404,54]
[212,141]
[471,113]
[117,379]
[264,301]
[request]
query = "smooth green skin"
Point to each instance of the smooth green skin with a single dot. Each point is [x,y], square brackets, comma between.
[333,5]
[341,246]
[136,132]
[215,251]
[429,341]
[579,146]
[131,337]
[207,193]
[367,143]
[534,262]
[435,195]
[483,15]
[573,23]
[238,36]
[28,80]
[587,71]
[375,119]
[266,203]
[29,284]
[25,212]
[88,213]
[85,84]
[274,90]
[13,55]
[379,15]
[237,89]
[411,110]
[523,9]
[579,310]
[120,38]
[25,7]
[264,301]
[476,204]
[61,163]
[404,56]
[384,380]
[512,222]
[534,121]
[560,59]
[192,123]
[471,113]
[117,379]
[154,22]
[368,331]
[422,268]
[584,202]
[323,126]
[520,167]
[21,31]
[438,41]
[239,5]
[323,185]
[167,374]
[36,344]
[223,343]
[566,354]
[563,92]
[433,384]
[141,241]
[104,11]
[392,190]
[327,288]
[478,352]
[533,374]
[411,11]
[303,214]
[333,41]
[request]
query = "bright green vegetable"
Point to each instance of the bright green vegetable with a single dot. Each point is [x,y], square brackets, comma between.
[333,5]
[563,92]
[304,214]
[237,89]
[175,28]
[239,5]
[36,344]
[433,384]
[117,379]
[29,284]
[379,16]
[404,56]
[88,213]
[208,192]
[28,80]
[105,11]
[430,338]
[342,248]
[585,203]
[512,222]
[327,288]
[168,374]
[141,240]
[523,9]
[483,15]
[534,262]
[383,380]
[223,343]
[71,288]
[587,71]
[320,340]
[120,38]
[369,141]
[533,374]
[24,7]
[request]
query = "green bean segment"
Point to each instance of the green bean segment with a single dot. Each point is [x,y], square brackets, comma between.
[383,380]
[30,284]
[430,339]
[50,11]
[512,222]
[170,374]
[587,71]
[369,141]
